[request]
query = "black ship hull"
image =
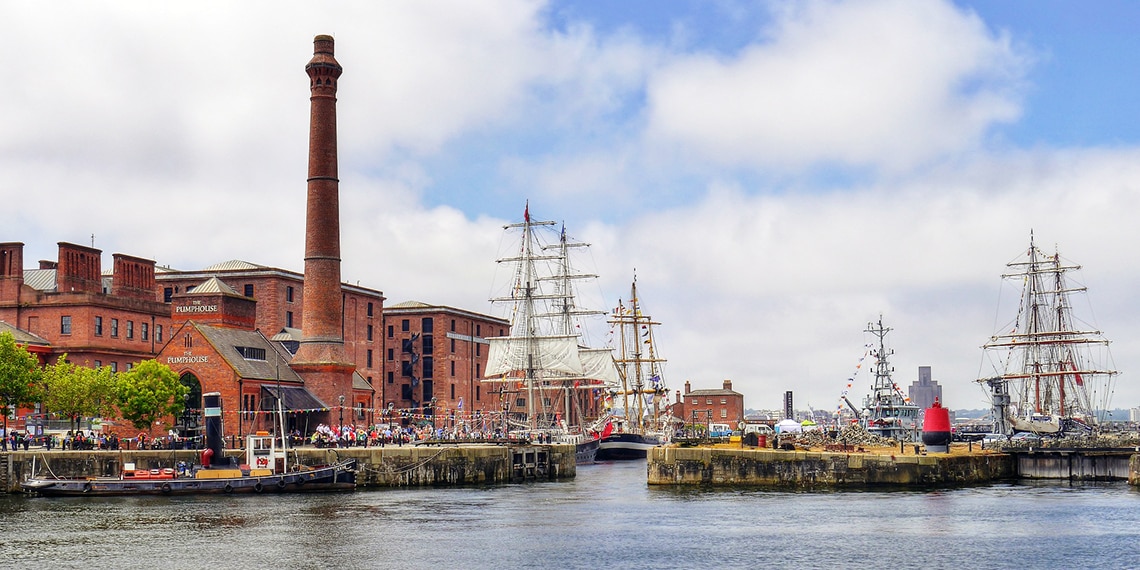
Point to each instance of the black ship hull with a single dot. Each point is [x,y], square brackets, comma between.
[626,446]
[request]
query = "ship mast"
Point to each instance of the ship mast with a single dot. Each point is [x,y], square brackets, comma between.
[638,352]
[1045,363]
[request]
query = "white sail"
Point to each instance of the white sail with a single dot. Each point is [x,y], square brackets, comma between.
[598,364]
[540,353]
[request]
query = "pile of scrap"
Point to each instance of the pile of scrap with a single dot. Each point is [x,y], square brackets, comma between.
[852,435]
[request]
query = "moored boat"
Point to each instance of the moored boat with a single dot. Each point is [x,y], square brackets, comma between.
[265,470]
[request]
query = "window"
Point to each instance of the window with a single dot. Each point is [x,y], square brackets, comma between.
[98,326]
[248,290]
[65,324]
[391,377]
[370,309]
[479,331]
[453,368]
[391,354]
[369,365]
[289,294]
[427,325]
[694,401]
[405,325]
[114,367]
[158,333]
[478,349]
[453,346]
[428,344]
[477,366]
[453,391]
[188,341]
[167,294]
[360,410]
[289,319]
[391,331]
[723,401]
[406,346]
[114,328]
[251,353]
[428,372]
[130,365]
[130,330]
[406,369]
[369,332]
[723,413]
[477,393]
[520,403]
[98,364]
[145,331]
[452,325]
[406,391]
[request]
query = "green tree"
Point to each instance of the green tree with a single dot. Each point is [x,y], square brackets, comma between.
[19,376]
[148,392]
[76,392]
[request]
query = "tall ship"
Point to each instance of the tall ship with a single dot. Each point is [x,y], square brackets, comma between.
[547,376]
[643,423]
[1053,375]
[886,411]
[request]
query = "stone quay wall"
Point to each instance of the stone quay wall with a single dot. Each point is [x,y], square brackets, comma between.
[389,466]
[812,470]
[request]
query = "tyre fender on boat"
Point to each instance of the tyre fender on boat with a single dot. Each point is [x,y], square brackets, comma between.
[257,488]
[87,487]
[165,488]
[281,484]
[228,489]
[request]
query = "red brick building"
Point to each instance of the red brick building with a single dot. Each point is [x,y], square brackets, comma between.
[438,353]
[719,406]
[280,294]
[97,320]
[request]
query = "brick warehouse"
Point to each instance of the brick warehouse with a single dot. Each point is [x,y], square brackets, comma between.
[438,353]
[719,406]
[96,319]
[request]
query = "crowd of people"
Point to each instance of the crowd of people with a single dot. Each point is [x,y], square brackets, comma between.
[348,435]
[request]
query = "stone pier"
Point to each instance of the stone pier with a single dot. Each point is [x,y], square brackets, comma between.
[389,466]
[817,470]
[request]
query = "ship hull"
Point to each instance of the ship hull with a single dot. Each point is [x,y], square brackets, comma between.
[586,452]
[338,477]
[626,446]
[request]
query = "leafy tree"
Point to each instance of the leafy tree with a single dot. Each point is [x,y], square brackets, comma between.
[19,376]
[76,391]
[148,392]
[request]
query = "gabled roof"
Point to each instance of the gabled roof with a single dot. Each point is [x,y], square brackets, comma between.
[23,336]
[40,279]
[226,341]
[213,286]
[411,305]
[234,265]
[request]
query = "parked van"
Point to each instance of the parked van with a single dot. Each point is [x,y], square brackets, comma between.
[720,430]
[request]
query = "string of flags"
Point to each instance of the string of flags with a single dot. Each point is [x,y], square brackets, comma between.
[851,378]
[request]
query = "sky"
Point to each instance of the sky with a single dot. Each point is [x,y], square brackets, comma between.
[777,174]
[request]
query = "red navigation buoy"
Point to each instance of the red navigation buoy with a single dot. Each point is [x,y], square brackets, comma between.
[936,429]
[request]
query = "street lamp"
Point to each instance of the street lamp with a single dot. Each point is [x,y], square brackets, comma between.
[342,410]
[433,418]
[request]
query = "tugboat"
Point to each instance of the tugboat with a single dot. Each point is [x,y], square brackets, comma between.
[259,474]
[886,411]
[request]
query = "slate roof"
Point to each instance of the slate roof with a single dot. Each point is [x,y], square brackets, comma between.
[23,336]
[226,340]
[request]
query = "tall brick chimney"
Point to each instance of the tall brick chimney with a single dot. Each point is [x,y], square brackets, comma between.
[321,359]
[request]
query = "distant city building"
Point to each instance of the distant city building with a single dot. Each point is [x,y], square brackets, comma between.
[924,391]
[723,405]
[1134,415]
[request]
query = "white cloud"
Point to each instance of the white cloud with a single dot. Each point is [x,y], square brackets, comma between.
[886,83]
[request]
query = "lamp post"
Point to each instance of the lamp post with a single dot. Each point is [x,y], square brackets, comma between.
[342,410]
[433,418]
